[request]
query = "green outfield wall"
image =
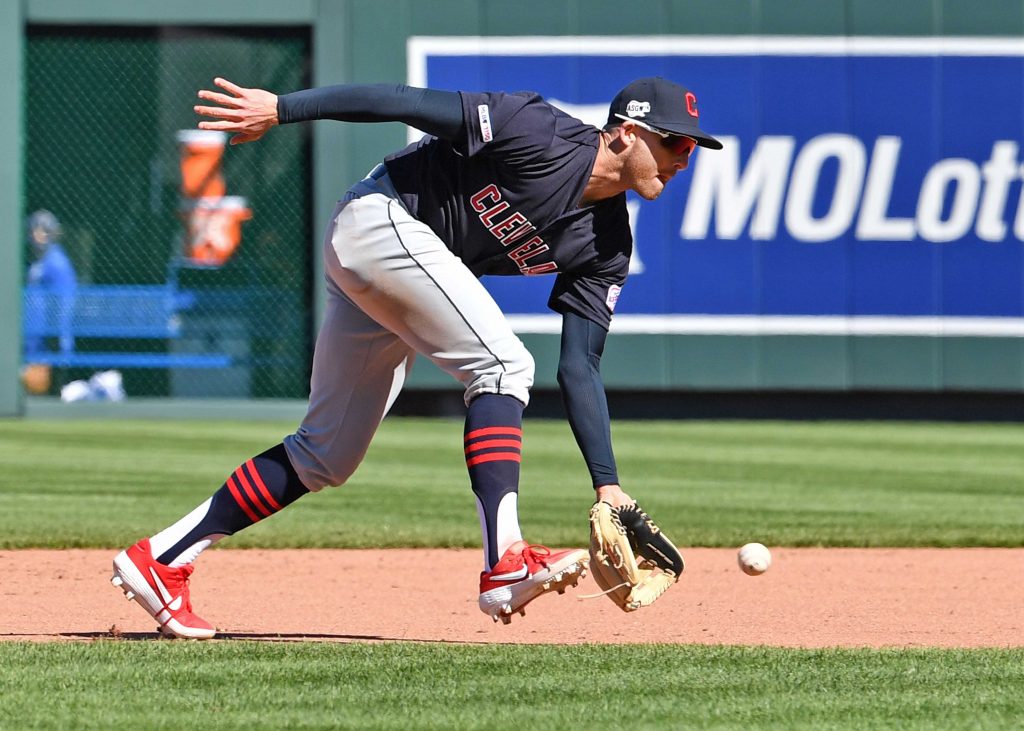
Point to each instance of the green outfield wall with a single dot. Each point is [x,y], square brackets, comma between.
[11,210]
[365,41]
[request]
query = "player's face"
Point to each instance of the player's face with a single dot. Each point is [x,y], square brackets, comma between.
[656,160]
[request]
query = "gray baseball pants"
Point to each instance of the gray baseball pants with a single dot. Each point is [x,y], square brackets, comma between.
[393,290]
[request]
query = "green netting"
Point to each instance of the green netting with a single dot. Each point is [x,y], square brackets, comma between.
[103,111]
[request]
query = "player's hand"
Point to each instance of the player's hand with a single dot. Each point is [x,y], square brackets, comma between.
[631,558]
[613,495]
[249,113]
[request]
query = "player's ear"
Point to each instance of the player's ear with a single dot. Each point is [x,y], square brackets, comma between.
[628,132]
[623,136]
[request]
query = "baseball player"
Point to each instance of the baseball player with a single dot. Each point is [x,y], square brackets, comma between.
[502,184]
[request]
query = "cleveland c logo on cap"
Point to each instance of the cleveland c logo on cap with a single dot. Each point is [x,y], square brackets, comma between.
[691,104]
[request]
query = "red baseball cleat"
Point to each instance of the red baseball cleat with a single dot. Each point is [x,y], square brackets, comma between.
[524,573]
[160,590]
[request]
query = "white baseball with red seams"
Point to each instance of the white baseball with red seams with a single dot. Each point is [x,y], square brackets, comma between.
[754,559]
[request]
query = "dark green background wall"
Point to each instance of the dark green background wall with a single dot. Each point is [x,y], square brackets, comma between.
[104,105]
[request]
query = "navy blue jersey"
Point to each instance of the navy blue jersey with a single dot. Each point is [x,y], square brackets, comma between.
[505,198]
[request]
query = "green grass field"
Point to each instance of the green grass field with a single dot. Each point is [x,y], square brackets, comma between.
[106,483]
[244,685]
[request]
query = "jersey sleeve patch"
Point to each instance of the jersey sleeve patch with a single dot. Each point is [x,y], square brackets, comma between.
[484,114]
[613,297]
[515,128]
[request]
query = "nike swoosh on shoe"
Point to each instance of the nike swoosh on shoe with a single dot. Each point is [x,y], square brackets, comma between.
[171,602]
[519,575]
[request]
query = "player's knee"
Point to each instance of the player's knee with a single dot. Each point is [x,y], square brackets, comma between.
[511,373]
[316,465]
[336,475]
[525,367]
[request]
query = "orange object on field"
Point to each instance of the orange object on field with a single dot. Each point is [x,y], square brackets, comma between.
[214,228]
[201,153]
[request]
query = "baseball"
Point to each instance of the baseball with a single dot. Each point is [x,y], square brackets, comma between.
[754,559]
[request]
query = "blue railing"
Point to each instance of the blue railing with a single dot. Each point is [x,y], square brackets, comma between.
[111,312]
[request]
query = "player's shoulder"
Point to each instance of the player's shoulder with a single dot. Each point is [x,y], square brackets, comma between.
[613,233]
[613,211]
[512,101]
[511,97]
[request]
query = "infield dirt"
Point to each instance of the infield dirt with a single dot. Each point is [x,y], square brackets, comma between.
[811,597]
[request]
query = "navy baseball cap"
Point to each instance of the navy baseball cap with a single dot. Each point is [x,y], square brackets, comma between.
[663,105]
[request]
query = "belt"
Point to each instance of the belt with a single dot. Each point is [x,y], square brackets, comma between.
[376,181]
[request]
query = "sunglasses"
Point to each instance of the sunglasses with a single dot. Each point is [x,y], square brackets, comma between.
[677,144]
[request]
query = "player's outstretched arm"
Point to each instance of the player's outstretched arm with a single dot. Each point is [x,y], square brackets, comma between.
[436,112]
[631,558]
[579,376]
[249,113]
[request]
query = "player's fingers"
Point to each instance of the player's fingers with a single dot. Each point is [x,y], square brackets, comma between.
[218,98]
[226,125]
[233,88]
[218,112]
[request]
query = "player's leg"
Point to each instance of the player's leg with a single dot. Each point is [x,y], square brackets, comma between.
[401,274]
[492,441]
[155,571]
[358,369]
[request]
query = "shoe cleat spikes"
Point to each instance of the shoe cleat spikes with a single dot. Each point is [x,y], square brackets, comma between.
[547,572]
[504,613]
[119,583]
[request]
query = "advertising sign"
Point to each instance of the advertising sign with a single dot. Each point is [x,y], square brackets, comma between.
[867,185]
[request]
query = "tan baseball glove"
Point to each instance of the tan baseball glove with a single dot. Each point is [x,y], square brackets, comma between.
[631,559]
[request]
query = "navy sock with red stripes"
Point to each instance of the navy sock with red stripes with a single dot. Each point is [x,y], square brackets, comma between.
[257,489]
[493,446]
